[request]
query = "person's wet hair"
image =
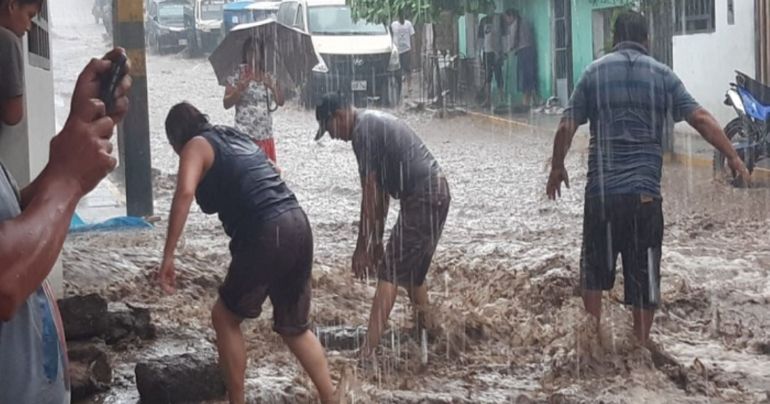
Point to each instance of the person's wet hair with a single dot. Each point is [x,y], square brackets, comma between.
[631,26]
[513,13]
[183,123]
[249,46]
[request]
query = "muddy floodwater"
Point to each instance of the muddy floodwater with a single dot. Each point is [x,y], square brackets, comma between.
[503,282]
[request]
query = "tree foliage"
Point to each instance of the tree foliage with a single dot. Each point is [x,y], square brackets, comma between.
[385,11]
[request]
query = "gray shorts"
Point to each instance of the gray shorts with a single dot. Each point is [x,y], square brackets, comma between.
[415,236]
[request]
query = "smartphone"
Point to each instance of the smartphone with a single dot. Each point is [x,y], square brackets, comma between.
[110,82]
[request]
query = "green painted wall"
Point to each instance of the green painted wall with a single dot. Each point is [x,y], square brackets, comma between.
[537,12]
[582,31]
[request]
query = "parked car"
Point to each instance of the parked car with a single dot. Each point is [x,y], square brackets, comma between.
[165,28]
[243,12]
[358,58]
[204,21]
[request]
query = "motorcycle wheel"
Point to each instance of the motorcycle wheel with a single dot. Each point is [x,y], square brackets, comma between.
[736,133]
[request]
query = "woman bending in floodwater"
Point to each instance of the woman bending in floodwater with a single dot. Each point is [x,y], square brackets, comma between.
[255,95]
[271,242]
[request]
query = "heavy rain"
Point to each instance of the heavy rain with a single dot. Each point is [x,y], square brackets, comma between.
[520,268]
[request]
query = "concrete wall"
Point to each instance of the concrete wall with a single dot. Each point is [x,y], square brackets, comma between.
[706,63]
[24,147]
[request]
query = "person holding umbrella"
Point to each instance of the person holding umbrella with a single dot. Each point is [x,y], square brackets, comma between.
[271,243]
[255,94]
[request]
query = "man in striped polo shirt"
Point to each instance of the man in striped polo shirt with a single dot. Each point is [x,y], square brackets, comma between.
[632,102]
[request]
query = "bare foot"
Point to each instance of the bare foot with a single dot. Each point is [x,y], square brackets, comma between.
[367,359]
[346,384]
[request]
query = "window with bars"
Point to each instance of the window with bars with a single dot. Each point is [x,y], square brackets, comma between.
[39,40]
[693,17]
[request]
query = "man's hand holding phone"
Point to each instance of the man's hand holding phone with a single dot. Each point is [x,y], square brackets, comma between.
[82,152]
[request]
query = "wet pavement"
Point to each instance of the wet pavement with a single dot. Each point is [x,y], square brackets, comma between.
[503,281]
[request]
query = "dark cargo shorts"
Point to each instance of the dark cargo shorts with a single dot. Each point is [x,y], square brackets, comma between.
[415,236]
[276,262]
[629,225]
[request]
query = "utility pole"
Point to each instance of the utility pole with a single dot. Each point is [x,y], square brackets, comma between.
[134,132]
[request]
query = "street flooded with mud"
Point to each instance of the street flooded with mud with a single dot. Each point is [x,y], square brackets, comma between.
[504,282]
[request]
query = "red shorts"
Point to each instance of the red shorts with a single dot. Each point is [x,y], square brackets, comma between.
[267,146]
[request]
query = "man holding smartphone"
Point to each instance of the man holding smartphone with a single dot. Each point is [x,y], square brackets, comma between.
[33,226]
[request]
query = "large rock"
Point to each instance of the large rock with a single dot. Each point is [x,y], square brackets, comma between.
[84,317]
[341,338]
[127,322]
[182,378]
[90,369]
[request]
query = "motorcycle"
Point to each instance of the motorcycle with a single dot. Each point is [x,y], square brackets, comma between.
[749,132]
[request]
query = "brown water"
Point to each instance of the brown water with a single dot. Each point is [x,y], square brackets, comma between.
[503,286]
[503,283]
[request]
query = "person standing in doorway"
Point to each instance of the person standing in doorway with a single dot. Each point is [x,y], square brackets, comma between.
[632,102]
[491,41]
[522,44]
[392,162]
[255,94]
[402,31]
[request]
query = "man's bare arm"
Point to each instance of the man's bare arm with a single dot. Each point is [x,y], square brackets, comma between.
[708,127]
[12,110]
[563,141]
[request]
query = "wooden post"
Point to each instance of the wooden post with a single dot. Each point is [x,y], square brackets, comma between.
[134,132]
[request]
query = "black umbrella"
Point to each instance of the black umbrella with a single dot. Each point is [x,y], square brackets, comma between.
[289,53]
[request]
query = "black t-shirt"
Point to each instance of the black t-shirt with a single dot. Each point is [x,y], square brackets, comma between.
[242,186]
[385,145]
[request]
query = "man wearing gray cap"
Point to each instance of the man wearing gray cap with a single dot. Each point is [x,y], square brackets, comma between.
[392,162]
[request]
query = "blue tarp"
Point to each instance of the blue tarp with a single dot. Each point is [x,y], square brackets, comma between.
[77,225]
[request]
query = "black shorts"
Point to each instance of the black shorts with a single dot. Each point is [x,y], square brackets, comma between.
[493,68]
[276,262]
[415,236]
[405,59]
[629,225]
[527,69]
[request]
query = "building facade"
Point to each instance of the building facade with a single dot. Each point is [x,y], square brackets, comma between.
[704,41]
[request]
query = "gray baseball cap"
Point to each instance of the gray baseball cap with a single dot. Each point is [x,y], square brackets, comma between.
[330,103]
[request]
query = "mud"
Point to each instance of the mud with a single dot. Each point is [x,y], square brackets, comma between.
[503,281]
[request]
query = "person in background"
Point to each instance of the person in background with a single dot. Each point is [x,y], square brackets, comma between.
[490,39]
[271,243]
[15,20]
[522,44]
[255,94]
[402,31]
[33,226]
[392,162]
[632,102]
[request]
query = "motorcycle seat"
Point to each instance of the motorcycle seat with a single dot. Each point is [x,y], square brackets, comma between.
[760,91]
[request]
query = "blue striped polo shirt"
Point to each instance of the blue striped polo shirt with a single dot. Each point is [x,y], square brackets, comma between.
[632,102]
